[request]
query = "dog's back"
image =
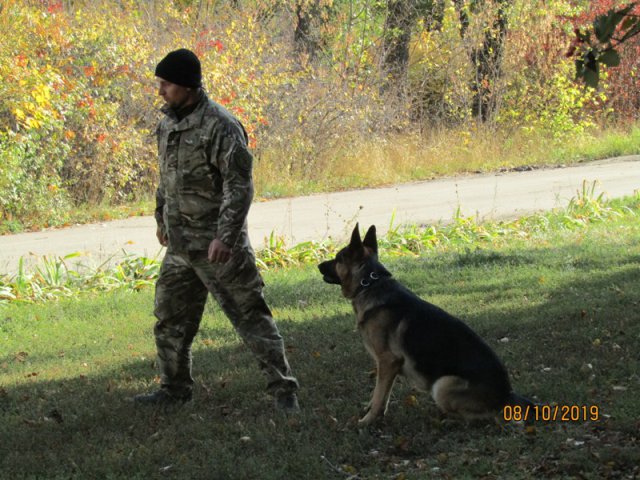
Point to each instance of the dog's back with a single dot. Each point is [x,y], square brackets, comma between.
[435,344]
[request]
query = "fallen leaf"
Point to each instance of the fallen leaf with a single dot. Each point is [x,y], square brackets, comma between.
[586,368]
[54,415]
[350,469]
[411,401]
[402,443]
[21,356]
[293,421]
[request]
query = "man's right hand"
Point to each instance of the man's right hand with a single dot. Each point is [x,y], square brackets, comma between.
[162,237]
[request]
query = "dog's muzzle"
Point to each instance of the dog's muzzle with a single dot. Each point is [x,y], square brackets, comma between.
[328,271]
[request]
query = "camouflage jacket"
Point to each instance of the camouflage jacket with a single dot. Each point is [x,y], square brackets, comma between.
[206,187]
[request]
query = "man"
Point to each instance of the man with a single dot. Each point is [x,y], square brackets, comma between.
[202,201]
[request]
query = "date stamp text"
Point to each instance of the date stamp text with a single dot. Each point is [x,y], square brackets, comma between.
[551,413]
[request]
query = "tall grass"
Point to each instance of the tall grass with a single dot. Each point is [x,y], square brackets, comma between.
[376,161]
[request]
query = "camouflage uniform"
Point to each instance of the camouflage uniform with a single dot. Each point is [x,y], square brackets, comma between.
[205,192]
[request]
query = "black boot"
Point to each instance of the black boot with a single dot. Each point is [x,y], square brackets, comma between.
[162,397]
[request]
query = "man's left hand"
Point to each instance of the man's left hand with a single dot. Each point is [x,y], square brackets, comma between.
[219,252]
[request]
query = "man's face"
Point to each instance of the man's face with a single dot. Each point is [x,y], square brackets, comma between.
[175,96]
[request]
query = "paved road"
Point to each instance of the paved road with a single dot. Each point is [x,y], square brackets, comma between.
[316,217]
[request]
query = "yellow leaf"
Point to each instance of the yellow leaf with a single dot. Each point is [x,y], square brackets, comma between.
[411,401]
[33,123]
[349,469]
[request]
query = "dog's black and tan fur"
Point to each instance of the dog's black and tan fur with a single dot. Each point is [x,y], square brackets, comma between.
[409,336]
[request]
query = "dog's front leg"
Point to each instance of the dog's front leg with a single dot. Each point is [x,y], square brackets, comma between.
[388,367]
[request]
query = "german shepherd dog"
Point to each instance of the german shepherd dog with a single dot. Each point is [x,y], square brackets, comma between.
[409,336]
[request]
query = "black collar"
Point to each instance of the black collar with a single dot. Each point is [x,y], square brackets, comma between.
[370,279]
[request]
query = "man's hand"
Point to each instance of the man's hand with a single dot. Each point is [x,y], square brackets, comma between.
[218,251]
[162,237]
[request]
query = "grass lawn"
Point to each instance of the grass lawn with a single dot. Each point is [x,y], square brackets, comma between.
[560,308]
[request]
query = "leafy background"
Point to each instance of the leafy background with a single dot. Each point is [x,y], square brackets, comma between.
[79,104]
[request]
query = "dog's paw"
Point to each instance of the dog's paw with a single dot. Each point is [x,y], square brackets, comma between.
[368,419]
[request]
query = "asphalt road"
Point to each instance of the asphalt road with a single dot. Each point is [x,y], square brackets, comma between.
[316,217]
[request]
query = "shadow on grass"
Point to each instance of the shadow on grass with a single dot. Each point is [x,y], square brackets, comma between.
[572,339]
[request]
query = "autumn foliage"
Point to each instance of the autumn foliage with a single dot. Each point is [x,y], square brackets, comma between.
[79,105]
[623,80]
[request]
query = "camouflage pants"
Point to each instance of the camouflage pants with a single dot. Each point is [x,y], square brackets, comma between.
[181,293]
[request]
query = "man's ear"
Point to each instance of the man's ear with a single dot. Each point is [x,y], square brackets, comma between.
[370,240]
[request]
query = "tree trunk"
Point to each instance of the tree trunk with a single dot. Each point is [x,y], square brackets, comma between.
[486,60]
[401,16]
[432,12]
[307,33]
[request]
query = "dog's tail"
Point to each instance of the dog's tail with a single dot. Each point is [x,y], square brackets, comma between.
[520,409]
[517,399]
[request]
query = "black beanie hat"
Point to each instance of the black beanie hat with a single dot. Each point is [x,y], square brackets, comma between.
[181,67]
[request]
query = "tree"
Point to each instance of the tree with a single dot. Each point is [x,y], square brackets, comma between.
[487,59]
[398,26]
[600,44]
[401,16]
[307,35]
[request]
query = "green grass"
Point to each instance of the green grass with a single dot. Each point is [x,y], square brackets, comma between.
[559,305]
[610,144]
[81,214]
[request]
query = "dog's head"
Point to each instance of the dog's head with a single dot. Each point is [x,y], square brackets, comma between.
[353,262]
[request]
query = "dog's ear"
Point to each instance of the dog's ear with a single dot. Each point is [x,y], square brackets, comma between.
[370,240]
[356,242]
